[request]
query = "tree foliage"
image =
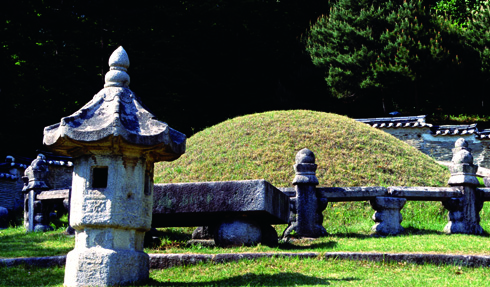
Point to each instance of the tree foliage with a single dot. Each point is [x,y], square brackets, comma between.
[397,55]
[459,10]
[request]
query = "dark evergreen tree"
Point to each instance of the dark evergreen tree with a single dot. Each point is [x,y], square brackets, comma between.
[388,53]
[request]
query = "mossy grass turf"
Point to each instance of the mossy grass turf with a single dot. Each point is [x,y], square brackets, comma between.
[348,153]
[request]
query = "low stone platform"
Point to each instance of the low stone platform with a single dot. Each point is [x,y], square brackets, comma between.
[204,203]
[235,212]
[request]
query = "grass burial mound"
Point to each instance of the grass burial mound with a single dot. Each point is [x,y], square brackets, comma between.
[264,145]
[348,153]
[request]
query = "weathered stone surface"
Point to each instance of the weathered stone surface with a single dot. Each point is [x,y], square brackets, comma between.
[485,193]
[464,213]
[35,181]
[238,232]
[36,175]
[307,222]
[424,193]
[335,194]
[105,267]
[206,203]
[115,117]
[463,171]
[455,215]
[53,194]
[305,168]
[203,232]
[387,215]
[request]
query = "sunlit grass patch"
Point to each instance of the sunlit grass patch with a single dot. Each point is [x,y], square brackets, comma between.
[15,242]
[264,145]
[318,272]
[277,271]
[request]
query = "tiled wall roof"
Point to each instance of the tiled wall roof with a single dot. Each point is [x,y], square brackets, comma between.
[419,122]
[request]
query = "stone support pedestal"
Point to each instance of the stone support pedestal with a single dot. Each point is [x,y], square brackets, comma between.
[464,212]
[309,209]
[387,215]
[35,181]
[233,213]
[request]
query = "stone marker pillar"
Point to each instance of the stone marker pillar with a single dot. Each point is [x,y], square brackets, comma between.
[464,212]
[387,215]
[114,142]
[35,181]
[309,216]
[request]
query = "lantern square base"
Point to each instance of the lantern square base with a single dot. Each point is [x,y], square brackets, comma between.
[105,267]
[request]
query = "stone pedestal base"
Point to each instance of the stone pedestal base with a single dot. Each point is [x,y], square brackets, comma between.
[387,215]
[105,267]
[464,217]
[239,232]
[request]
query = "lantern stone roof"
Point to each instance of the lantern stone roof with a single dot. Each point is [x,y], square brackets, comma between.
[115,119]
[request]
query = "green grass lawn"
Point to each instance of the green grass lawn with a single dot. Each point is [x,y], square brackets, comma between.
[280,272]
[348,231]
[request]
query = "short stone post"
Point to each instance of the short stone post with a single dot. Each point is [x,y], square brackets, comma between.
[309,210]
[114,142]
[35,181]
[464,212]
[387,217]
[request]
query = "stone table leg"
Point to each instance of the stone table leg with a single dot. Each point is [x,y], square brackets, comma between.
[387,215]
[243,232]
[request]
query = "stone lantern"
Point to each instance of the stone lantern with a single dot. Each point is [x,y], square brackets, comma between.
[114,141]
[34,182]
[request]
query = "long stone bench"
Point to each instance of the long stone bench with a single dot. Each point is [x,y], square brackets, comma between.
[237,212]
[462,199]
[337,194]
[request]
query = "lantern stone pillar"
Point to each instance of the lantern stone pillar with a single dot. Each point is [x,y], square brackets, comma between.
[308,208]
[114,142]
[35,181]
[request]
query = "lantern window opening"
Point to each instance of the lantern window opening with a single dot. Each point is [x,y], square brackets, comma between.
[100,175]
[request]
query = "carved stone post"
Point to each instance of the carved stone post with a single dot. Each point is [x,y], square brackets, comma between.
[114,142]
[464,212]
[387,215]
[34,182]
[309,216]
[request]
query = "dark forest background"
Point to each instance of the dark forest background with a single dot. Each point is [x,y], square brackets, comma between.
[193,63]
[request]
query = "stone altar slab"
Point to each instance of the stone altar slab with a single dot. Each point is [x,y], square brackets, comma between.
[204,203]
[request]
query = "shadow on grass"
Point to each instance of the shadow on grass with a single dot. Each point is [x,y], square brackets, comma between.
[350,235]
[419,231]
[311,247]
[410,230]
[250,279]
